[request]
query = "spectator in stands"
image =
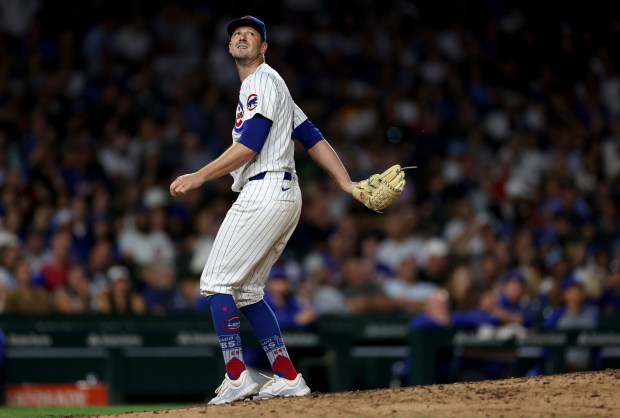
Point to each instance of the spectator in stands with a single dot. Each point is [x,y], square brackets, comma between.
[610,301]
[100,259]
[437,313]
[80,228]
[146,241]
[511,301]
[590,267]
[205,229]
[330,261]
[523,246]
[406,290]
[26,297]
[361,291]
[400,240]
[160,293]
[288,309]
[9,255]
[575,313]
[34,248]
[119,296]
[461,288]
[483,314]
[489,271]
[74,296]
[323,294]
[463,231]
[550,290]
[435,262]
[120,157]
[3,295]
[497,306]
[55,270]
[368,246]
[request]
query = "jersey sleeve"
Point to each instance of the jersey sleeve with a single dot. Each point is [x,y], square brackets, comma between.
[303,130]
[263,97]
[299,116]
[255,132]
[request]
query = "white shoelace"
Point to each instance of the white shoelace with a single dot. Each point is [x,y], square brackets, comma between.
[220,387]
[224,383]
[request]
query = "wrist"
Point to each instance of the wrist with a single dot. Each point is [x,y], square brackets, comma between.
[347,186]
[201,175]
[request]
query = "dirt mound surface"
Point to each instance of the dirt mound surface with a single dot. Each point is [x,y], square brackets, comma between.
[591,394]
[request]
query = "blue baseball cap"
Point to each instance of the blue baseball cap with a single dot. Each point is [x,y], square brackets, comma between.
[278,273]
[250,21]
[515,274]
[570,281]
[555,256]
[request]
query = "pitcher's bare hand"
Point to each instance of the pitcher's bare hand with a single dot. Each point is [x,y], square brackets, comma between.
[184,184]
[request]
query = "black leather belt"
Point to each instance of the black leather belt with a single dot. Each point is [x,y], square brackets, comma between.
[260,176]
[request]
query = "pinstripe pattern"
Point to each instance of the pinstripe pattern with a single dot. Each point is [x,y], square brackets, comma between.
[251,238]
[298,116]
[273,101]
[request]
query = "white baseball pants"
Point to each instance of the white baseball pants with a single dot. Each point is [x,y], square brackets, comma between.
[252,238]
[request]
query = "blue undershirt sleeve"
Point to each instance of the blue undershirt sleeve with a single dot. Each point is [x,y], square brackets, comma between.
[255,132]
[307,134]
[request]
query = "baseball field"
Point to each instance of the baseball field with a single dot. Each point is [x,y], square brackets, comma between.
[592,394]
[588,394]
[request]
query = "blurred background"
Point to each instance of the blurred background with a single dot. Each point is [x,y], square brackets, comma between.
[510,110]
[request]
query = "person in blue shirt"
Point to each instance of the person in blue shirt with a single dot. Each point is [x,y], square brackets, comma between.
[288,309]
[436,312]
[610,301]
[160,293]
[436,315]
[510,307]
[575,313]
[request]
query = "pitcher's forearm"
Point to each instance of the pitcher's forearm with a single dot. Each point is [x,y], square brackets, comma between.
[323,153]
[230,160]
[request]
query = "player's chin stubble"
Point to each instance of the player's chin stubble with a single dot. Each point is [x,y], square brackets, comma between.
[245,60]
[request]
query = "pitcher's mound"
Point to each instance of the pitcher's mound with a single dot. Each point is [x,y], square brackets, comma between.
[588,394]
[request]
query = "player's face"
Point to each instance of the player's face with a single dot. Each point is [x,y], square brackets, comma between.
[246,43]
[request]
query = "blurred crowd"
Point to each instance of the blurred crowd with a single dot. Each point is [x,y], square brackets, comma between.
[511,217]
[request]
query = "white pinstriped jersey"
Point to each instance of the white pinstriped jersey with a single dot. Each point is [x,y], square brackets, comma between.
[298,117]
[265,92]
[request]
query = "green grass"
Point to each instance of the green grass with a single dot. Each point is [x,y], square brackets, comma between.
[86,411]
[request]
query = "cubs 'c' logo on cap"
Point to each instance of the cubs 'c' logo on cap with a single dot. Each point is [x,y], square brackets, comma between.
[232,323]
[239,118]
[252,102]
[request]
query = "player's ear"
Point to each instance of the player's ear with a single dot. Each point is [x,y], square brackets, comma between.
[230,48]
[263,48]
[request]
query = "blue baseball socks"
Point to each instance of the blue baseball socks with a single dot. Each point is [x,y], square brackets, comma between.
[267,331]
[227,326]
